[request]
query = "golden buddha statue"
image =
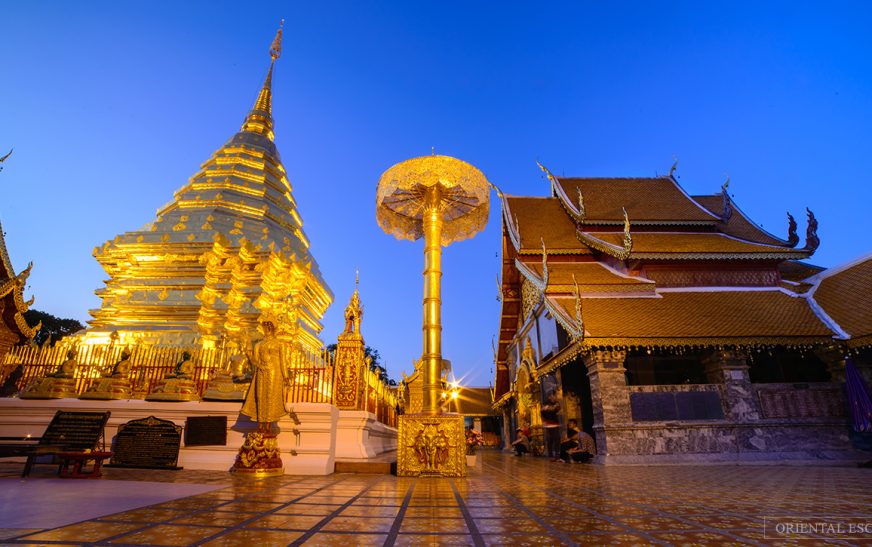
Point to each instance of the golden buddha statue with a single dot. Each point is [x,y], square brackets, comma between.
[265,404]
[177,385]
[58,385]
[265,399]
[231,382]
[116,383]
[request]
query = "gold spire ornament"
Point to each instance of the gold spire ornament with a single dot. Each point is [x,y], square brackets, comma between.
[275,49]
[443,200]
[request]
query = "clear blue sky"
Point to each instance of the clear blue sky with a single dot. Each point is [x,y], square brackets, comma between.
[111,106]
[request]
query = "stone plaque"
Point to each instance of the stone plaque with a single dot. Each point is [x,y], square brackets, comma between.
[75,430]
[699,405]
[206,431]
[149,443]
[653,407]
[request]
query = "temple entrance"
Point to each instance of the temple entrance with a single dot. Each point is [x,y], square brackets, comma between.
[576,392]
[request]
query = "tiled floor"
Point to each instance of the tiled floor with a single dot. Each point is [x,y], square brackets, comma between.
[509,501]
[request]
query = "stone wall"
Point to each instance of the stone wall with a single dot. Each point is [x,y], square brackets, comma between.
[760,422]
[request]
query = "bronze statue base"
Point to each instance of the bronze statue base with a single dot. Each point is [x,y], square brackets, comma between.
[109,389]
[431,446]
[174,389]
[259,456]
[51,388]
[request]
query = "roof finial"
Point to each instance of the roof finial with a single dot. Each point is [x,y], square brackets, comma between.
[432,150]
[275,50]
[356,277]
[6,156]
[674,166]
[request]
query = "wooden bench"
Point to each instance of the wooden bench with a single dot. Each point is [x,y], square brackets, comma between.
[67,432]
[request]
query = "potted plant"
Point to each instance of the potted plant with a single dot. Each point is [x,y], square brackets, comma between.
[473,440]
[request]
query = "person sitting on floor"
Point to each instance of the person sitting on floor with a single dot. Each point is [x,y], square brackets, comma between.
[586,449]
[521,443]
[571,440]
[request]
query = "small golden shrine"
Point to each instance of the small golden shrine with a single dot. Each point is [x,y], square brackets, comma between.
[227,249]
[13,327]
[350,358]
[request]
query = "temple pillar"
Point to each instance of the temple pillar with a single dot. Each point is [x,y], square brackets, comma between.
[730,369]
[507,428]
[608,391]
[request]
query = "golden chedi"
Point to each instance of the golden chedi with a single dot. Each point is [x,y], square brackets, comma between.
[228,247]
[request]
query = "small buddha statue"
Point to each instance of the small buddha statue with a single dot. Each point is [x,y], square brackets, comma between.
[116,383]
[178,385]
[231,381]
[68,367]
[121,369]
[60,384]
[184,368]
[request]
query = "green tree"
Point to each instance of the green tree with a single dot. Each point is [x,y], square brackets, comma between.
[52,326]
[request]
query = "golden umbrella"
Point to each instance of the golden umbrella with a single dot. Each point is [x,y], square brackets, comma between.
[443,200]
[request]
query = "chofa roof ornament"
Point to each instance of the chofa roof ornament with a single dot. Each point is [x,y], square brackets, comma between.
[811,238]
[792,238]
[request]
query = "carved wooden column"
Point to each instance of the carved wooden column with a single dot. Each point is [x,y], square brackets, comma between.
[608,391]
[730,369]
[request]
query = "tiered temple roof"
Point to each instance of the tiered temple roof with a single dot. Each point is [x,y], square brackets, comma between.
[13,327]
[228,250]
[638,262]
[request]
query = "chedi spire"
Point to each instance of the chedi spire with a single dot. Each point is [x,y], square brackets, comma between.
[259,120]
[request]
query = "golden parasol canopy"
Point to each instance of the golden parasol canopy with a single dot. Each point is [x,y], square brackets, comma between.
[463,193]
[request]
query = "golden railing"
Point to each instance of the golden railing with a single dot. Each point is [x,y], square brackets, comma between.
[311,373]
[379,398]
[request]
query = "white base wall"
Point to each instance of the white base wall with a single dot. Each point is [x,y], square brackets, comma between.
[310,439]
[359,436]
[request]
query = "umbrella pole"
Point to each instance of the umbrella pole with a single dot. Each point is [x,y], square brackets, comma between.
[432,355]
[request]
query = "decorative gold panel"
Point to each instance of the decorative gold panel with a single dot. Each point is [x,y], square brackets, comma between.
[431,446]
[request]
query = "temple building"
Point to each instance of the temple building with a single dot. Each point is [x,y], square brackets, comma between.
[674,328]
[13,327]
[227,250]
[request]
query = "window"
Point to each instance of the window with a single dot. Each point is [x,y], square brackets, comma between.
[782,365]
[645,369]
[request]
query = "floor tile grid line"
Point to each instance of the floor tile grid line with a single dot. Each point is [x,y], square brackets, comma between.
[651,509]
[691,520]
[401,514]
[255,516]
[19,541]
[326,520]
[562,534]
[467,516]
[539,520]
[654,509]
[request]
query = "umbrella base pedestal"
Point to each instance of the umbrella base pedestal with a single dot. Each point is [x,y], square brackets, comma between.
[431,446]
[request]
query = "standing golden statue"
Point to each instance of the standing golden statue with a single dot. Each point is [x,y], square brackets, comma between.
[265,400]
[265,404]
[443,200]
